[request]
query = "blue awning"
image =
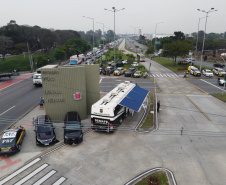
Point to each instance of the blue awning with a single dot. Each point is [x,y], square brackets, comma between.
[135,98]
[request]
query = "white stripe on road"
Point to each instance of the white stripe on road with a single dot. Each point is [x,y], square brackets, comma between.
[3,181]
[213,85]
[7,110]
[160,75]
[32,174]
[60,181]
[44,178]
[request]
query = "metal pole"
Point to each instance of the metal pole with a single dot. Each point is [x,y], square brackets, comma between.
[114,35]
[203,43]
[196,47]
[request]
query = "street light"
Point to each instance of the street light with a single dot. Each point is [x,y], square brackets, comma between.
[93,27]
[196,47]
[155,32]
[134,29]
[103,30]
[211,10]
[114,10]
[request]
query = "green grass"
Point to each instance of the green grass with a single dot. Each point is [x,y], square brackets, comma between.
[161,175]
[149,121]
[20,63]
[220,96]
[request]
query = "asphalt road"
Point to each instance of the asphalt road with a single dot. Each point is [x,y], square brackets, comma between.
[16,100]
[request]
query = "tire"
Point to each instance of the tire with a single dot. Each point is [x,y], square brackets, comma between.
[19,147]
[120,120]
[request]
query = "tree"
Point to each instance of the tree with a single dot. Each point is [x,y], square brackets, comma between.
[177,48]
[178,36]
[6,44]
[59,54]
[150,50]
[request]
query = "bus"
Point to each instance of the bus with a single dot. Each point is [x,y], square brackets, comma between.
[140,57]
[74,60]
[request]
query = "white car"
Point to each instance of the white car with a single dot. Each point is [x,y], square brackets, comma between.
[221,81]
[124,61]
[134,64]
[207,72]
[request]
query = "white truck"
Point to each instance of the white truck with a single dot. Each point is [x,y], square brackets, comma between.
[37,77]
[107,114]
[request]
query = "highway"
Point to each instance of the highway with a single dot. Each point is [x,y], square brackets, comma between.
[16,100]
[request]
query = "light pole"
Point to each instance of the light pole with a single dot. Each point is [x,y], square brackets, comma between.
[114,10]
[155,32]
[206,12]
[103,30]
[93,27]
[196,47]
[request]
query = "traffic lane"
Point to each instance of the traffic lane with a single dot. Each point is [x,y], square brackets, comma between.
[109,83]
[195,149]
[209,85]
[22,97]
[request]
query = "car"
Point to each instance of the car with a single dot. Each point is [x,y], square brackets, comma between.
[44,130]
[219,72]
[7,54]
[124,61]
[101,70]
[221,81]
[1,56]
[194,71]
[190,59]
[207,72]
[138,74]
[72,128]
[107,69]
[11,140]
[129,72]
[134,64]
[218,65]
[183,62]
[117,72]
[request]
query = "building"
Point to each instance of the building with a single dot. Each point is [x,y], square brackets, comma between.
[70,88]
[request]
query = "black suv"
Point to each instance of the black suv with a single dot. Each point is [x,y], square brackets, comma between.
[72,128]
[220,65]
[44,130]
[129,72]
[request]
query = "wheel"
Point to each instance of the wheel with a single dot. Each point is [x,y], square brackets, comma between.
[19,147]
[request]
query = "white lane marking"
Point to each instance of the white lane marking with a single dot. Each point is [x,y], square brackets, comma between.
[153,75]
[169,75]
[44,178]
[7,110]
[157,75]
[213,85]
[160,75]
[31,174]
[60,181]
[19,171]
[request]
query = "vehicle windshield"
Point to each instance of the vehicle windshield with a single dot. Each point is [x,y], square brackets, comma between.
[37,77]
[208,71]
[44,129]
[73,126]
[117,70]
[220,70]
[196,70]
[142,57]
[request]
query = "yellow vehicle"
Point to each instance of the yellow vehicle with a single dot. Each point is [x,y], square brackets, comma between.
[140,57]
[219,72]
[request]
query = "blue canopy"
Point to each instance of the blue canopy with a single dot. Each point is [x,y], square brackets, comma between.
[135,98]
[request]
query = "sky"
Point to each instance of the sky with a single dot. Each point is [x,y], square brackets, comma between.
[147,15]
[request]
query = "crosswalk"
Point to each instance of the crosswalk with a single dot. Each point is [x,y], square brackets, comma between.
[34,173]
[159,75]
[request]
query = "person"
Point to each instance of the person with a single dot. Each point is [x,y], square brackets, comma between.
[158,105]
[41,103]
[185,74]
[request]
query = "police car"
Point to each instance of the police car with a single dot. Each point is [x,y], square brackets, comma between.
[11,140]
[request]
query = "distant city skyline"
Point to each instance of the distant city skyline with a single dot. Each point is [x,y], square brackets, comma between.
[143,14]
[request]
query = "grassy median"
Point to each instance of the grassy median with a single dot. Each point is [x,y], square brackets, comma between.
[220,96]
[161,175]
[149,121]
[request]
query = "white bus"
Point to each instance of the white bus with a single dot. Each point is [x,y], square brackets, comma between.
[107,114]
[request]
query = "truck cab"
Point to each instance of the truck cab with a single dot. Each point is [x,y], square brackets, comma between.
[37,79]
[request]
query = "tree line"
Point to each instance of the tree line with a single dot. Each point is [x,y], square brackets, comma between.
[15,39]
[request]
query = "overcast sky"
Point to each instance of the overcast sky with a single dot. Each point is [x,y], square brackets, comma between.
[176,15]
